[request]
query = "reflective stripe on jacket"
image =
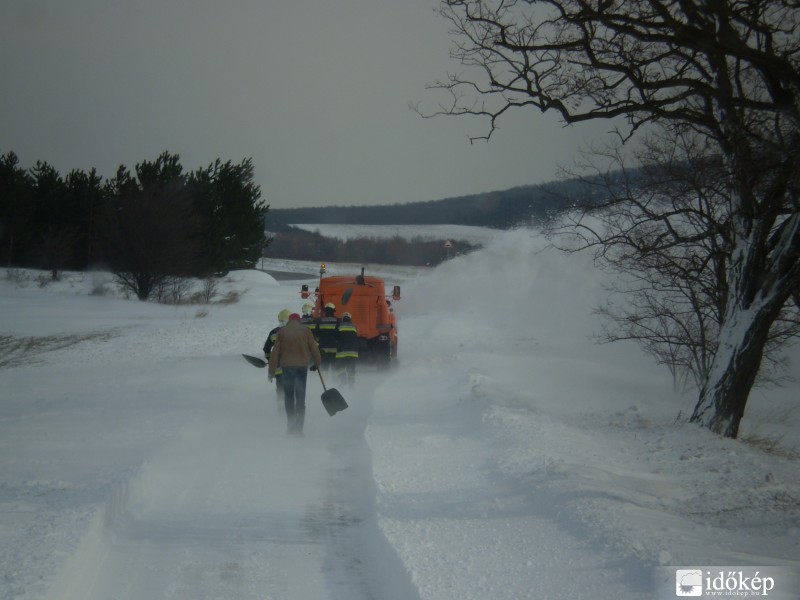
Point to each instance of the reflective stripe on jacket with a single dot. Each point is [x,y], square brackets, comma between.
[326,334]
[311,323]
[348,343]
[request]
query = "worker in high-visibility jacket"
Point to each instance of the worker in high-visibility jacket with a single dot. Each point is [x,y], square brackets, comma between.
[327,335]
[347,351]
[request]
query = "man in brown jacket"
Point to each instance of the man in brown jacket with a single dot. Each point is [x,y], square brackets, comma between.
[294,350]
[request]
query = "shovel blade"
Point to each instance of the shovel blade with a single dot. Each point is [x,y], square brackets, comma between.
[333,401]
[256,362]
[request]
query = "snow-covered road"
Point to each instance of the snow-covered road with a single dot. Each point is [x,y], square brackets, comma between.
[232,507]
[226,505]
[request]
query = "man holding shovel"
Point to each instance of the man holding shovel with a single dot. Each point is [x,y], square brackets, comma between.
[294,349]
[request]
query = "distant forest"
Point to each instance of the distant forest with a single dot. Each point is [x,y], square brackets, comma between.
[503,209]
[297,244]
[499,210]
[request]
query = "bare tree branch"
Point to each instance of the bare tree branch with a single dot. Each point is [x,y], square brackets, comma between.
[720,79]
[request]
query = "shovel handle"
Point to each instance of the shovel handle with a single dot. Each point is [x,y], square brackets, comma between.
[322,381]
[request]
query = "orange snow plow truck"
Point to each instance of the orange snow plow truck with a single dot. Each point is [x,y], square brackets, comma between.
[365,298]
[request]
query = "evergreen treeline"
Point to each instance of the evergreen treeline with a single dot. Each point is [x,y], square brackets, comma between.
[297,244]
[155,222]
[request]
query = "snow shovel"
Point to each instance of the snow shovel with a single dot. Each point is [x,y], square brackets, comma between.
[332,400]
[256,362]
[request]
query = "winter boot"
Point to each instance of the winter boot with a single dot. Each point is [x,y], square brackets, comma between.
[298,423]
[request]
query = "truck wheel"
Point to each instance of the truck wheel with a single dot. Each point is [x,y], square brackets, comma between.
[383,354]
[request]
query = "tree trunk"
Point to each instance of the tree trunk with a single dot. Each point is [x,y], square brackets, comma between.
[733,371]
[753,302]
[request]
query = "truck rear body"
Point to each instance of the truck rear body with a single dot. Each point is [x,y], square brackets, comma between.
[364,297]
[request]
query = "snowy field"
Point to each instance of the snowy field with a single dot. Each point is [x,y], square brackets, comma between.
[506,457]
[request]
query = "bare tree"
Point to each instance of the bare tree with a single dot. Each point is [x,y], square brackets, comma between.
[666,226]
[725,70]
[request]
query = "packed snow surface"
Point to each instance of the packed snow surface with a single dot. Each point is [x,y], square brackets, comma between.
[507,456]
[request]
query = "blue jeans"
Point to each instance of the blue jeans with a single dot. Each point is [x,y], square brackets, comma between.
[294,391]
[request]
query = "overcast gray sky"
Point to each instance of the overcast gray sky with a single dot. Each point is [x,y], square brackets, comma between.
[315,91]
